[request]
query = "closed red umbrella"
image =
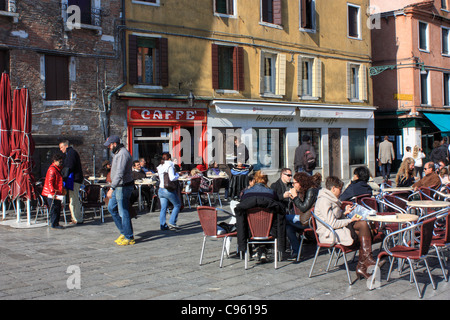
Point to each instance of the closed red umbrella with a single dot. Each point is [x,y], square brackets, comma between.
[16,133]
[5,126]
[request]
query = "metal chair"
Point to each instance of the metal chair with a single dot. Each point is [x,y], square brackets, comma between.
[408,252]
[208,221]
[309,229]
[441,240]
[195,187]
[260,223]
[91,197]
[333,245]
[214,190]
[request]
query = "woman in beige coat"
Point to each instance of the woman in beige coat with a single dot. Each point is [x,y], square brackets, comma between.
[328,209]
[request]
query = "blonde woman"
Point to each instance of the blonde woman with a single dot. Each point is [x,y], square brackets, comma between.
[418,155]
[405,174]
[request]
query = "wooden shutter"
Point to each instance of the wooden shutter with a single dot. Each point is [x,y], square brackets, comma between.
[277,12]
[281,75]
[215,65]
[56,78]
[349,81]
[362,82]
[163,62]
[300,76]
[238,69]
[317,78]
[132,59]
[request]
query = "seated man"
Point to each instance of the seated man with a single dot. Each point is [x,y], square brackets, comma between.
[431,178]
[282,186]
[146,191]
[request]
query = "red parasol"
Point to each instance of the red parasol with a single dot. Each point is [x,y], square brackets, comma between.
[5,125]
[14,155]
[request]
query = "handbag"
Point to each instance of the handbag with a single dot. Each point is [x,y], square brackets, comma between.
[168,184]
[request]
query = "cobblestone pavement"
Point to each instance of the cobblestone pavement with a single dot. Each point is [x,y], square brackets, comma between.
[43,263]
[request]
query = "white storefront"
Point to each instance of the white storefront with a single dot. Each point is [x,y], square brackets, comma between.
[343,135]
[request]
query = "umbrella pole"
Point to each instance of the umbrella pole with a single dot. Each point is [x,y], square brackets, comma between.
[18,210]
[4,209]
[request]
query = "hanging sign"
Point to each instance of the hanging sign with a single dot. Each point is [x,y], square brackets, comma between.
[163,114]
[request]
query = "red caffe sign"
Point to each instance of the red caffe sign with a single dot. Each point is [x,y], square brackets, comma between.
[162,114]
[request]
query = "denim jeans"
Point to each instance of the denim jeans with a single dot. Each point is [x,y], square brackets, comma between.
[291,230]
[164,197]
[118,207]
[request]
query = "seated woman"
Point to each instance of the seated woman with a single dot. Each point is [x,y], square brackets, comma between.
[405,174]
[359,184]
[349,231]
[303,195]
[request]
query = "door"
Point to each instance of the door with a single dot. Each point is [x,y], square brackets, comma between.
[334,142]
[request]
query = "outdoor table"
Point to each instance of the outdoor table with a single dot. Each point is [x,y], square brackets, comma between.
[394,218]
[140,183]
[96,179]
[397,189]
[426,204]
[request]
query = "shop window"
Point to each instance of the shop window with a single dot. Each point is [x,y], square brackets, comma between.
[223,144]
[310,77]
[224,7]
[57,78]
[353,22]
[269,148]
[357,146]
[273,74]
[271,11]
[308,14]
[227,67]
[148,61]
[315,136]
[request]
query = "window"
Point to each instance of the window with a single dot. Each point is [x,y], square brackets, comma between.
[4,61]
[147,61]
[424,89]
[310,77]
[3,5]
[445,41]
[147,2]
[444,4]
[268,148]
[446,89]
[315,136]
[224,7]
[356,82]
[353,21]
[357,146]
[307,14]
[273,74]
[227,67]
[85,8]
[423,36]
[271,11]
[57,78]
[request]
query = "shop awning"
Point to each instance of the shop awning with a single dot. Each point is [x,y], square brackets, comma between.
[440,120]
[240,107]
[336,113]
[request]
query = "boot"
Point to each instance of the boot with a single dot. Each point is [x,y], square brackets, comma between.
[365,257]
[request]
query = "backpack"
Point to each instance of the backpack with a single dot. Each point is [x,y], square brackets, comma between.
[309,161]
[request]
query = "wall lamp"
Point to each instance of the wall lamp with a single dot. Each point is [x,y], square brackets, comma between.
[373,71]
[191,99]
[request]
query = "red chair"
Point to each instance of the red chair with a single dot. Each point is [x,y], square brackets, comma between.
[442,240]
[208,221]
[303,232]
[409,252]
[194,191]
[260,223]
[214,190]
[334,245]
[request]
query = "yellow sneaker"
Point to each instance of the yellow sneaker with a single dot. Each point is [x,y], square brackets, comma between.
[126,242]
[119,239]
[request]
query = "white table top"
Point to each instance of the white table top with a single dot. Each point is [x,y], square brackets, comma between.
[428,204]
[394,218]
[398,189]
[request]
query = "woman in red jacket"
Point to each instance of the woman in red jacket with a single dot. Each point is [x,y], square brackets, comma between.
[53,187]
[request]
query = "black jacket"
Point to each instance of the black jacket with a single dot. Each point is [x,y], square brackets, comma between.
[355,188]
[308,202]
[278,226]
[280,188]
[72,164]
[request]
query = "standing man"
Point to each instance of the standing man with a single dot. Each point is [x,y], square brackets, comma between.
[299,165]
[387,156]
[72,169]
[122,186]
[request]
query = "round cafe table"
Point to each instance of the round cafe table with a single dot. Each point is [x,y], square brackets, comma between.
[398,189]
[426,204]
[394,218]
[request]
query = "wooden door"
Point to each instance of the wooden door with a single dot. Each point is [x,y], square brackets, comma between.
[334,142]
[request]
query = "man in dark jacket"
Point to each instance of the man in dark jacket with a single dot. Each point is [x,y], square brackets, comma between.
[282,186]
[72,170]
[300,152]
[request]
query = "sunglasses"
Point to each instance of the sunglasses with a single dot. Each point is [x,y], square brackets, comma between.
[289,175]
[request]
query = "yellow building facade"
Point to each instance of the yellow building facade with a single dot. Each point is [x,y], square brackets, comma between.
[266,71]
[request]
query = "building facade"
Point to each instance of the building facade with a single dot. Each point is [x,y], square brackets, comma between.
[264,71]
[410,74]
[67,53]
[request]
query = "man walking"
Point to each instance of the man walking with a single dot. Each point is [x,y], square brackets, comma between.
[72,170]
[299,157]
[122,186]
[387,156]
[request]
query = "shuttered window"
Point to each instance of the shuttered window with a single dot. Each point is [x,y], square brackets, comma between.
[273,74]
[227,67]
[307,14]
[57,78]
[271,11]
[357,82]
[148,61]
[309,77]
[85,9]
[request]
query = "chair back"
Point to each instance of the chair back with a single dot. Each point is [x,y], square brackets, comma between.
[216,184]
[208,220]
[446,237]
[195,184]
[92,193]
[260,222]
[370,203]
[346,203]
[399,202]
[426,231]
[357,199]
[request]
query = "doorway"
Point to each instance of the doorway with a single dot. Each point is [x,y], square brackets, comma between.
[334,142]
